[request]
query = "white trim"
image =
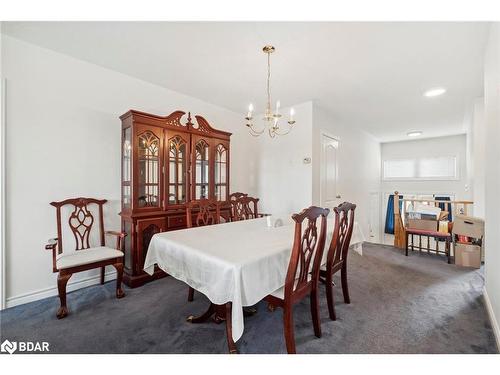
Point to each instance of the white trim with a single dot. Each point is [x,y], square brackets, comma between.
[3,107]
[493,319]
[50,292]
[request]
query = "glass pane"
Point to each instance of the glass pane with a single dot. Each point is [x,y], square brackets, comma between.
[201,170]
[177,170]
[220,164]
[223,173]
[222,195]
[127,150]
[149,170]
[217,191]
[171,194]
[126,196]
[172,175]
[221,154]
[181,193]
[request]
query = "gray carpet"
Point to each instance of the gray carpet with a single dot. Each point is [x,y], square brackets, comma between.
[415,304]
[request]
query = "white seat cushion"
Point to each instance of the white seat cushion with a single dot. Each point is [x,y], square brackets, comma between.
[91,255]
[280,293]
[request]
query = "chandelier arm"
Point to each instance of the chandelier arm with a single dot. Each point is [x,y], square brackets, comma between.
[290,127]
[255,132]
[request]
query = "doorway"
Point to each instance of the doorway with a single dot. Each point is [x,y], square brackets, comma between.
[329,195]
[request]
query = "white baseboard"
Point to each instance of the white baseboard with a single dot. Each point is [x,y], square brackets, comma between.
[50,292]
[493,319]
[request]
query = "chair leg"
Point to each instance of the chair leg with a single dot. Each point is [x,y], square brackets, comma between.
[191,294]
[103,269]
[315,312]
[345,287]
[62,280]
[406,244]
[119,275]
[288,328]
[329,297]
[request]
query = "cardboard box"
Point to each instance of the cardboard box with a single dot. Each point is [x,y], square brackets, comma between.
[467,255]
[468,226]
[421,224]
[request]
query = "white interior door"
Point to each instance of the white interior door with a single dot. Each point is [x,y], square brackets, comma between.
[329,172]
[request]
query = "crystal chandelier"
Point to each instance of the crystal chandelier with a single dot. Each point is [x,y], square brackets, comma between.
[271,120]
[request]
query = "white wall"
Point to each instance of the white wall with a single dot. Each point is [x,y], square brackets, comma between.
[478,155]
[284,182]
[492,182]
[358,163]
[2,182]
[63,140]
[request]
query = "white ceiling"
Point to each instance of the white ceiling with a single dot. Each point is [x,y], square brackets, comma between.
[370,75]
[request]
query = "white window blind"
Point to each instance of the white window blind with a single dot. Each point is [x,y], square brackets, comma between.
[425,168]
[399,168]
[442,167]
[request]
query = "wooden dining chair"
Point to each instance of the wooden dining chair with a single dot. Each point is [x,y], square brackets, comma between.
[244,208]
[86,256]
[234,196]
[200,213]
[337,254]
[303,271]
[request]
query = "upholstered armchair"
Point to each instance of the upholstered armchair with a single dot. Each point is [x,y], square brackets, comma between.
[85,256]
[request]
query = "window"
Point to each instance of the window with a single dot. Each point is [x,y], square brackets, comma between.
[425,168]
[399,169]
[438,168]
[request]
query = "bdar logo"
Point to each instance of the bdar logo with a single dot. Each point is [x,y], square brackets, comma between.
[9,347]
[24,346]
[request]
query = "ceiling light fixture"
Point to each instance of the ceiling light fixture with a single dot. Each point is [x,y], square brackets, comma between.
[436,91]
[271,118]
[417,133]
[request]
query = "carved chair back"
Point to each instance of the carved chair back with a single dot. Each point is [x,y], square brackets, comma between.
[81,221]
[344,223]
[307,250]
[234,196]
[244,208]
[207,212]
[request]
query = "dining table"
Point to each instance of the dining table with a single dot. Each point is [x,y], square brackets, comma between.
[234,264]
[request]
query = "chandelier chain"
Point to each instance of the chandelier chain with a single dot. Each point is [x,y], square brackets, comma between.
[268,81]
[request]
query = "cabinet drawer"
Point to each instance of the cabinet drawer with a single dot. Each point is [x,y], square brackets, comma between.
[176,221]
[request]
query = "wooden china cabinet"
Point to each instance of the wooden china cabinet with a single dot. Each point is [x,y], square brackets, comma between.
[165,164]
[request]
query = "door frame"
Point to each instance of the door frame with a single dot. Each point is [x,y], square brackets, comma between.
[325,133]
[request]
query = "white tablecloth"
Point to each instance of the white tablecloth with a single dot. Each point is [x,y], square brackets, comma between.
[239,262]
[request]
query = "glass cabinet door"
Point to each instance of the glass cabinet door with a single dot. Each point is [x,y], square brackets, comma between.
[148,147]
[201,169]
[177,169]
[221,172]
[126,167]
